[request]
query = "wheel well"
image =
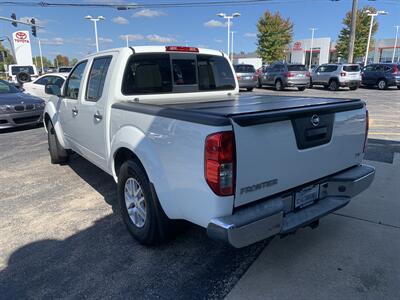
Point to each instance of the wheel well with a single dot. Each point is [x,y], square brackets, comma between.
[382,78]
[333,79]
[122,155]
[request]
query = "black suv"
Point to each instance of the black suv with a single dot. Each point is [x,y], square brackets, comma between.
[382,75]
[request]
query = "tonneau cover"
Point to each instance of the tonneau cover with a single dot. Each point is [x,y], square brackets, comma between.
[243,109]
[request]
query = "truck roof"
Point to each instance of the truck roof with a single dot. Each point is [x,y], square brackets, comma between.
[155,49]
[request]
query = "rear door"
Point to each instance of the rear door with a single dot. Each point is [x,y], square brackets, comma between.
[367,75]
[277,156]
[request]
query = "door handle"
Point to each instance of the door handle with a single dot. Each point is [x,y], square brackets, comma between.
[98,116]
[74,111]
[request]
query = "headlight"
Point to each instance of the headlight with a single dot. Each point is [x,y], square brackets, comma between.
[40,105]
[5,109]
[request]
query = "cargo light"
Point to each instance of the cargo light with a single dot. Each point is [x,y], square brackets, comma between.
[219,163]
[181,49]
[366,131]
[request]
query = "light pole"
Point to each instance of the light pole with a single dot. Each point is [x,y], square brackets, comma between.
[229,19]
[372,15]
[95,20]
[127,40]
[395,43]
[354,8]
[311,46]
[41,57]
[232,32]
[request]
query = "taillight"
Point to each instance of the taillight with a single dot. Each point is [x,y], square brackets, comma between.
[255,77]
[289,74]
[238,77]
[219,163]
[366,130]
[343,74]
[395,69]
[308,74]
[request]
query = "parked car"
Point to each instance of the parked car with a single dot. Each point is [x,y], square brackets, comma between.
[246,76]
[382,75]
[37,87]
[262,75]
[17,108]
[19,74]
[282,75]
[64,69]
[169,125]
[334,76]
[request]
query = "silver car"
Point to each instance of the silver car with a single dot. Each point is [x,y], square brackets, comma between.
[281,75]
[246,76]
[334,76]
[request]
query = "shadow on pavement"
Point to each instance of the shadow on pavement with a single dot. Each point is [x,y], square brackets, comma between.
[103,261]
[382,150]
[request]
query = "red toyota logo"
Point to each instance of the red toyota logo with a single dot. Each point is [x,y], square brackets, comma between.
[21,35]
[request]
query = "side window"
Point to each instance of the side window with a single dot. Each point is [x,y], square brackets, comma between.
[387,68]
[321,69]
[184,71]
[97,77]
[42,81]
[147,74]
[59,81]
[74,81]
[276,68]
[369,68]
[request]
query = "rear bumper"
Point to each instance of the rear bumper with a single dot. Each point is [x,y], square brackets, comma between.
[350,83]
[298,83]
[276,216]
[17,119]
[247,84]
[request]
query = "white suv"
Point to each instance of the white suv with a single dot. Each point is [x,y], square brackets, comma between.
[334,76]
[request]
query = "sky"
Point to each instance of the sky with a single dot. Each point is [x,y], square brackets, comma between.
[67,32]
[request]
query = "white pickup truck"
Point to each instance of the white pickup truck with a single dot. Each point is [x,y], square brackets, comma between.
[169,125]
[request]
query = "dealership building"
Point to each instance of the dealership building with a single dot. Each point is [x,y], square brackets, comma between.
[324,51]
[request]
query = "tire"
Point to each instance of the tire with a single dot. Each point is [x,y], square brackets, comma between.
[311,84]
[259,84]
[301,88]
[151,226]
[23,77]
[250,89]
[382,84]
[278,85]
[58,154]
[353,88]
[333,85]
[398,87]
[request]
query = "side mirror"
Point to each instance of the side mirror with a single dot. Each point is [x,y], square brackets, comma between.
[52,89]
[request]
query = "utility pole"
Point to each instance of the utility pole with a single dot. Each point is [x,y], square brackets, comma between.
[41,57]
[395,43]
[354,9]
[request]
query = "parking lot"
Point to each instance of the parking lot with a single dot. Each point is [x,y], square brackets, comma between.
[61,239]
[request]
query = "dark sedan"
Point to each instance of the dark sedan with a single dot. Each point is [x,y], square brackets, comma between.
[17,108]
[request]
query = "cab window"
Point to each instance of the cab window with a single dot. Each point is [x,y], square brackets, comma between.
[97,77]
[74,81]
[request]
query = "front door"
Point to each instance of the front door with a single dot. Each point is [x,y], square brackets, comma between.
[69,103]
[92,119]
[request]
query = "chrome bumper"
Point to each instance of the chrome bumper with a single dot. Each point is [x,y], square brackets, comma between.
[277,216]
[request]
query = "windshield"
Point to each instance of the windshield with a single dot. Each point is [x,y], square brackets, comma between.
[18,69]
[244,69]
[297,68]
[6,88]
[351,68]
[65,69]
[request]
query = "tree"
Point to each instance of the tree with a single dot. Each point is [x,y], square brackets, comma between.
[362,30]
[73,61]
[6,57]
[274,35]
[61,60]
[46,62]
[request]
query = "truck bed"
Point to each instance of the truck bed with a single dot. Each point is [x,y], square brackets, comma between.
[245,110]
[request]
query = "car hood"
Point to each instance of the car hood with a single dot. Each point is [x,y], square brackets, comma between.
[17,98]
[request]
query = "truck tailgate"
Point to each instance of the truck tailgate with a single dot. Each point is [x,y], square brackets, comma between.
[284,148]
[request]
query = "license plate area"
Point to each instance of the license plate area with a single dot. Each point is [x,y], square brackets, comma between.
[306,196]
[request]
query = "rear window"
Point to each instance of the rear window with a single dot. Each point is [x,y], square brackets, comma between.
[297,68]
[18,69]
[158,73]
[352,68]
[244,69]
